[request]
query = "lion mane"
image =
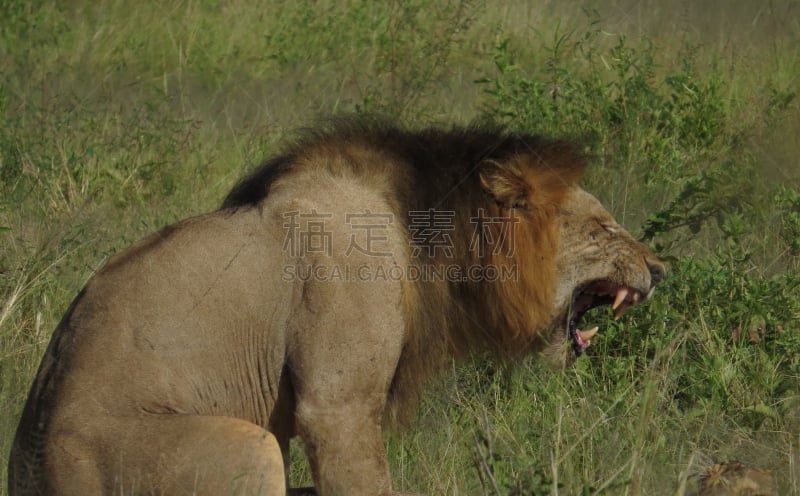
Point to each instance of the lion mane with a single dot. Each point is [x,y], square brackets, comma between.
[508,175]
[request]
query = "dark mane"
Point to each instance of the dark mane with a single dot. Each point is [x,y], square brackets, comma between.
[255,186]
[451,171]
[442,157]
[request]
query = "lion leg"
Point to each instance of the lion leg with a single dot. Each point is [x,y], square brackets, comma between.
[341,378]
[179,454]
[225,455]
[345,450]
[216,455]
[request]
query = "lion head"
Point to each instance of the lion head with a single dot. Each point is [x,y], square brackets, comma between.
[572,254]
[519,210]
[599,263]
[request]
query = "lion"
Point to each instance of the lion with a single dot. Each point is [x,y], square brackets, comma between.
[316,302]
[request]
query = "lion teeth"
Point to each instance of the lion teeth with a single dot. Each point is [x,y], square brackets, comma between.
[622,293]
[586,336]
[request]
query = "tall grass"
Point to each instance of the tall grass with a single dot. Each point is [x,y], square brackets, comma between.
[119,118]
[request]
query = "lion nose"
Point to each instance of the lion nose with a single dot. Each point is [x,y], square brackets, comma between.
[657,271]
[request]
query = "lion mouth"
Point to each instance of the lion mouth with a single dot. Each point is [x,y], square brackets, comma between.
[591,296]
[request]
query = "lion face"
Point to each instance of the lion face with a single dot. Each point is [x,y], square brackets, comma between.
[599,263]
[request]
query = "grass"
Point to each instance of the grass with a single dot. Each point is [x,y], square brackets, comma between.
[118,119]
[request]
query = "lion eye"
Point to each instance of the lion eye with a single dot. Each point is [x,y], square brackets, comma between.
[604,229]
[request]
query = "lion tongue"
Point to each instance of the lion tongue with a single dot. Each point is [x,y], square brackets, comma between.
[585,337]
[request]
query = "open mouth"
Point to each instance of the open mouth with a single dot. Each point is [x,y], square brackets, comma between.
[591,296]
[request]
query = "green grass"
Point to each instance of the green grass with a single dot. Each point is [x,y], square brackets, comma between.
[117,119]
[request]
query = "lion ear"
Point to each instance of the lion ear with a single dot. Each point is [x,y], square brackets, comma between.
[506,184]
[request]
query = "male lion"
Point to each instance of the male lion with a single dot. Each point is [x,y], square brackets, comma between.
[330,284]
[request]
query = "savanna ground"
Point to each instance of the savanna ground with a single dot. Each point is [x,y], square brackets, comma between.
[117,118]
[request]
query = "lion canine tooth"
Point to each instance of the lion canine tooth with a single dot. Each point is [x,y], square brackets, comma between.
[622,293]
[586,336]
